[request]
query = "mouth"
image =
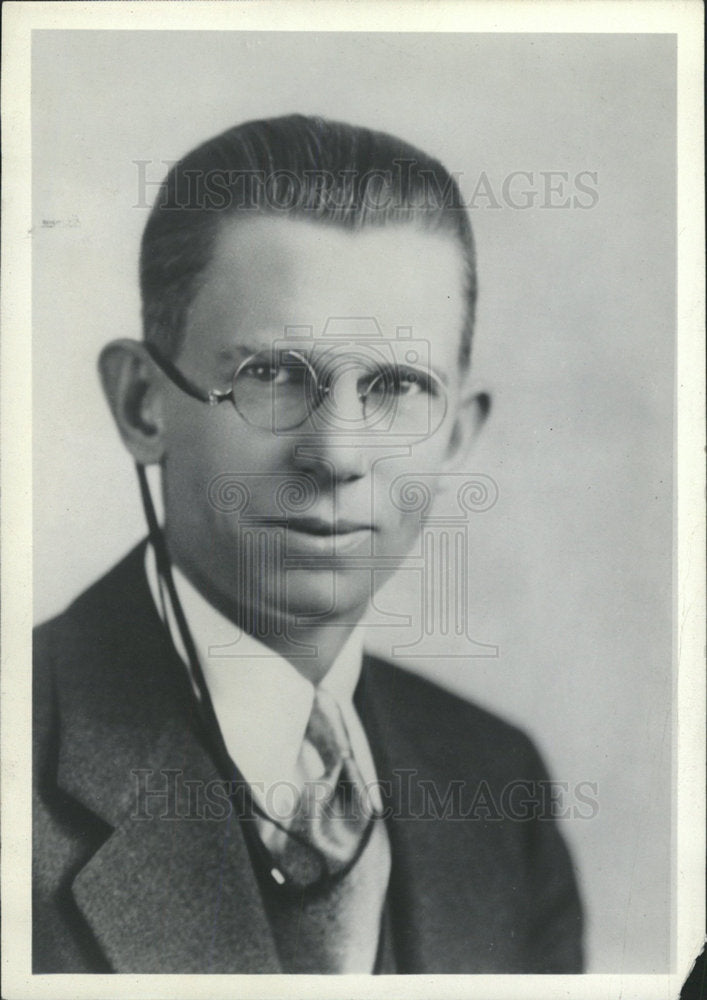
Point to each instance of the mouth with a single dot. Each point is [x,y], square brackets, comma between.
[320,527]
[313,534]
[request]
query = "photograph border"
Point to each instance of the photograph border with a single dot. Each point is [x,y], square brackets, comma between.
[684,19]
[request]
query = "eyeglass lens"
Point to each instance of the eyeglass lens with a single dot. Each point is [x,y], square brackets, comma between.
[281,390]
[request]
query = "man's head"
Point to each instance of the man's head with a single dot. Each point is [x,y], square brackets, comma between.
[352,249]
[293,167]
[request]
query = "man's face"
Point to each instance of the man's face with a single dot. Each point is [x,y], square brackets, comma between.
[267,275]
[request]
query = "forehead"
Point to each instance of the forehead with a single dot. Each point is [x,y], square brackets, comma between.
[268,274]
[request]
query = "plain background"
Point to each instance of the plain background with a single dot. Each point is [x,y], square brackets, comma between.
[571,570]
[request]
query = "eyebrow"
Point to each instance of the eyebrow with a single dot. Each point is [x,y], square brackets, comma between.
[232,355]
[239,351]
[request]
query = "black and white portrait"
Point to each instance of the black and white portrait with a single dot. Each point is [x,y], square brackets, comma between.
[353,361]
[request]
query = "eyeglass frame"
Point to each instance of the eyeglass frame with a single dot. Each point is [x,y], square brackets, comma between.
[213,396]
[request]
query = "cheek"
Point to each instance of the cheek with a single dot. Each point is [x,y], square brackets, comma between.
[405,489]
[213,466]
[216,438]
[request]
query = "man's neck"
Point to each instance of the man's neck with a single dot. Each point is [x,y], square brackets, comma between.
[311,648]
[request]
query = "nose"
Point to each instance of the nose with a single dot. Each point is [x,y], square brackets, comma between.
[329,457]
[332,443]
[342,405]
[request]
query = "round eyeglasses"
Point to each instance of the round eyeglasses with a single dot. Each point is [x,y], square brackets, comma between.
[279,390]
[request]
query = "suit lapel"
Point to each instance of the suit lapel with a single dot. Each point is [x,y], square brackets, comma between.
[444,907]
[176,896]
[172,888]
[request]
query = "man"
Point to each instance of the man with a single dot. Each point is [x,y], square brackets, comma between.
[224,782]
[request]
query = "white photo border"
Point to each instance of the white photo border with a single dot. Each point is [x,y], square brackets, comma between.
[607,16]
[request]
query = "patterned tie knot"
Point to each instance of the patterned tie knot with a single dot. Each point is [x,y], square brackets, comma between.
[327,733]
[336,857]
[334,810]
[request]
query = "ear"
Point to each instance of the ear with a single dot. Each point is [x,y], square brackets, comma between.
[473,409]
[132,388]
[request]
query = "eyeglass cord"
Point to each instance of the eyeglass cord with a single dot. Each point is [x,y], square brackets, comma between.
[210,724]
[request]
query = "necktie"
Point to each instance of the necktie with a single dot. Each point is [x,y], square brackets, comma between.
[334,927]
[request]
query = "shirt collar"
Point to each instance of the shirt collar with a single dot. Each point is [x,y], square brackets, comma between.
[261,701]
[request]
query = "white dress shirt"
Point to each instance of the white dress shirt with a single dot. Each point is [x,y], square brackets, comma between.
[262,702]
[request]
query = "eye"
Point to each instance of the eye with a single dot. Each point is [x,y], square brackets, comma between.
[404,381]
[409,382]
[400,382]
[260,371]
[270,371]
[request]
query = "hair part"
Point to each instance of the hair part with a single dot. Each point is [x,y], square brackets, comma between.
[299,167]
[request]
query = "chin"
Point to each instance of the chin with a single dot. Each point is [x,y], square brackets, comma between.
[329,594]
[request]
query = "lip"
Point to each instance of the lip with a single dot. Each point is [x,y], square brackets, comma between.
[321,527]
[309,535]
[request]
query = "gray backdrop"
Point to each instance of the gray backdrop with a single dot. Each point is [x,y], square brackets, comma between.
[571,569]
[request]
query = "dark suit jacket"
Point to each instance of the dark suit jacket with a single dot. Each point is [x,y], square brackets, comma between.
[472,890]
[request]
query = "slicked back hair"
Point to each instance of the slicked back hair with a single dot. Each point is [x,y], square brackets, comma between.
[294,167]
